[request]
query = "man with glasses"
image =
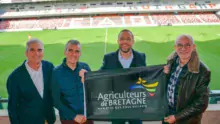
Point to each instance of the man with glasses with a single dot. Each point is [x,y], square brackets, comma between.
[124,57]
[187,83]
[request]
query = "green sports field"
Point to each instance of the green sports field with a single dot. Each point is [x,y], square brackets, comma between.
[156,42]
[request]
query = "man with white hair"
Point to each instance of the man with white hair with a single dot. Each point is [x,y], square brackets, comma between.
[187,83]
[29,97]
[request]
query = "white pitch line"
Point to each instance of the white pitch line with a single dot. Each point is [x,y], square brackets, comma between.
[106,38]
[138,38]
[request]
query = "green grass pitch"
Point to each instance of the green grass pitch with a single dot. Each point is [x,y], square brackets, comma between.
[156,42]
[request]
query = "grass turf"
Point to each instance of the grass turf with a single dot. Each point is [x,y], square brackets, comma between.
[156,42]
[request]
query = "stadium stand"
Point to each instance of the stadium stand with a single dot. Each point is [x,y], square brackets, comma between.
[61,15]
[111,21]
[165,18]
[56,8]
[189,18]
[208,17]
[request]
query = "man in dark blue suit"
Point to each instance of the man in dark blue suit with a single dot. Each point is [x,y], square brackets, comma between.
[29,97]
[124,57]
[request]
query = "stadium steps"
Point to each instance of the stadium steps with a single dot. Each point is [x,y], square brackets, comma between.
[123,20]
[197,16]
[151,20]
[64,21]
[179,19]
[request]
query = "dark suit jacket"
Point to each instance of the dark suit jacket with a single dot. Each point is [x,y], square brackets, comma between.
[111,60]
[25,105]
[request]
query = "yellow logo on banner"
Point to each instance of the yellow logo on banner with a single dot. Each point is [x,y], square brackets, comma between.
[150,87]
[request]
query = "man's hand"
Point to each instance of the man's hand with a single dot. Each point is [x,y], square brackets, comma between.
[170,119]
[80,119]
[166,69]
[81,74]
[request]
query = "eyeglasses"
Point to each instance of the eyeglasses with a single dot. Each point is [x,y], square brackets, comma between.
[180,46]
